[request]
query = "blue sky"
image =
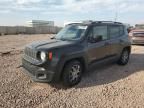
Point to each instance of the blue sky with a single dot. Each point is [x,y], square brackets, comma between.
[18,12]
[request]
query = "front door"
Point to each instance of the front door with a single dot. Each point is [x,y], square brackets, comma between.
[97,43]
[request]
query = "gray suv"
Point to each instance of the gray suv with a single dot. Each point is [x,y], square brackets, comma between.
[74,49]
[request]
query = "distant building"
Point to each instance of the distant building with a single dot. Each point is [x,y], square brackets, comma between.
[40,23]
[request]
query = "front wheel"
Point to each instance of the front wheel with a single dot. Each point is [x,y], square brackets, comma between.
[72,73]
[124,58]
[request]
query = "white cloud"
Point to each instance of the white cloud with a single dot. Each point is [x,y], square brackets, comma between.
[122,6]
[81,6]
[22,2]
[4,11]
[73,9]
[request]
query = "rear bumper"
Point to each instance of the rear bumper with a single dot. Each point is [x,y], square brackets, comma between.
[38,74]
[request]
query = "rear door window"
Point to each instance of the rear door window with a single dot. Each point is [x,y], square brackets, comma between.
[116,31]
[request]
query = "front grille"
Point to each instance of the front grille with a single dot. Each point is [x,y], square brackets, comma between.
[30,53]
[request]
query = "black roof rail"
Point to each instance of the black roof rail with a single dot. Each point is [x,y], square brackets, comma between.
[107,22]
[94,22]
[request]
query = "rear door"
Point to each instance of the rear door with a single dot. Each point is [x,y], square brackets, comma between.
[98,50]
[116,34]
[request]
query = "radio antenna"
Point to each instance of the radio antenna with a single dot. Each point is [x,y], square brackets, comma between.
[116,12]
[116,16]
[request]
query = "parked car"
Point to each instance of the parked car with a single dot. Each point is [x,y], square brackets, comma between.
[74,49]
[137,36]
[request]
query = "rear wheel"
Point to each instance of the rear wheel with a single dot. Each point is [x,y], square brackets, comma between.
[124,58]
[72,73]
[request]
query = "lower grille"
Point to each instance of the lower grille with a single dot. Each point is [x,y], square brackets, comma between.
[29,67]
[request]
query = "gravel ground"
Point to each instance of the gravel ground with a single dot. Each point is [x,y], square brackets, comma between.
[107,86]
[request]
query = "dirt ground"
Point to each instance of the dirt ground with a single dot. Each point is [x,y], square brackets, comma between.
[107,86]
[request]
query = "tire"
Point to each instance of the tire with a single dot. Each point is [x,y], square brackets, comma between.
[72,73]
[124,58]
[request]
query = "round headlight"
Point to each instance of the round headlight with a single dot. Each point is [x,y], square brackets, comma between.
[43,56]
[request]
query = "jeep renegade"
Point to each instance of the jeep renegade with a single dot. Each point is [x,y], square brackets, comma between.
[74,49]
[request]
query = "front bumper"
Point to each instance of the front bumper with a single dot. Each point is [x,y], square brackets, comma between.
[39,74]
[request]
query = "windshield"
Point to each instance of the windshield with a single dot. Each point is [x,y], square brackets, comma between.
[71,32]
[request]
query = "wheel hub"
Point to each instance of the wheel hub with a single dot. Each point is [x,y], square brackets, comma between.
[75,72]
[125,56]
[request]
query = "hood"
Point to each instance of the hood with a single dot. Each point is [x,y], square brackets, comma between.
[48,44]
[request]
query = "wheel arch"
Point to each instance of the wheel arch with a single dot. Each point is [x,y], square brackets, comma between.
[80,59]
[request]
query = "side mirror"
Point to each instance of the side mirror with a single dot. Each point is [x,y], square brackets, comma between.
[96,39]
